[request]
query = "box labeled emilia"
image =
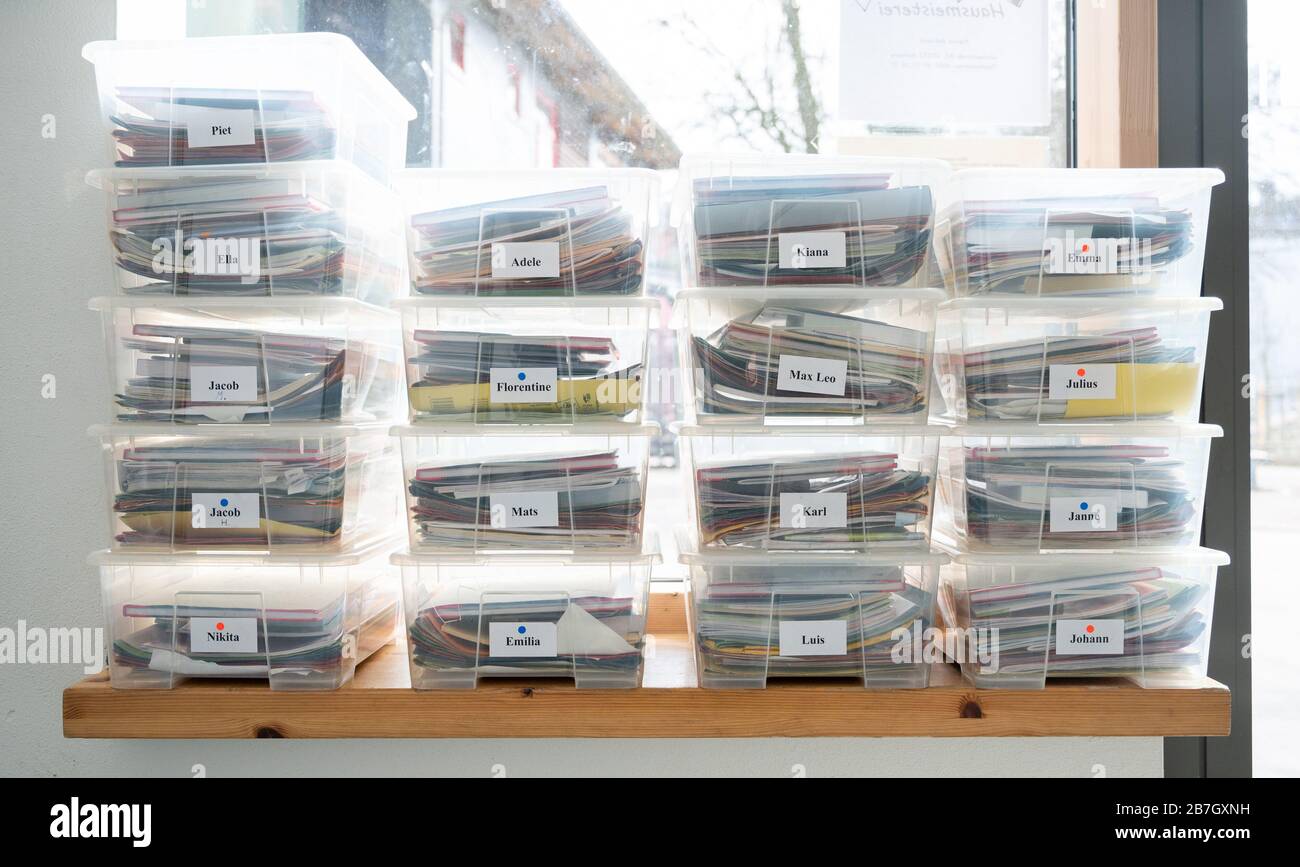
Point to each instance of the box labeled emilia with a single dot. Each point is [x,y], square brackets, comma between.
[475,616]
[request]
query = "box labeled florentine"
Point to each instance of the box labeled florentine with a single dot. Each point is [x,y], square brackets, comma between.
[544,361]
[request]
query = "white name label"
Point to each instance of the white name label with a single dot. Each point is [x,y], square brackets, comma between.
[526,259]
[814,638]
[540,509]
[223,383]
[1081,382]
[814,510]
[223,635]
[812,375]
[522,385]
[1074,255]
[1084,514]
[1089,637]
[225,511]
[218,257]
[803,250]
[220,127]
[522,639]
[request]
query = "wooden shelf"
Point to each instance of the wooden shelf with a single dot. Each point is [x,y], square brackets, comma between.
[380,704]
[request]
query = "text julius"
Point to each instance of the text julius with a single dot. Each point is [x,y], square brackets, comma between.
[130,821]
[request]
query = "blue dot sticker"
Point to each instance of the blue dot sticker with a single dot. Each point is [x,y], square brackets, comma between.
[225,502]
[1083,507]
[522,376]
[522,629]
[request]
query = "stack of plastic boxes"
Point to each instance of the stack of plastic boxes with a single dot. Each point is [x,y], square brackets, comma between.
[1072,490]
[526,454]
[806,345]
[254,365]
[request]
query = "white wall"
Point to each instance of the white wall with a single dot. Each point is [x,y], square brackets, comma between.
[52,512]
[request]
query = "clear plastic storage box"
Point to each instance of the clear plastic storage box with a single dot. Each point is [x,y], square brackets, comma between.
[269,98]
[811,219]
[240,361]
[312,228]
[299,623]
[528,360]
[756,616]
[1054,232]
[828,355]
[579,616]
[1070,360]
[525,488]
[1019,619]
[811,489]
[1101,487]
[279,489]
[547,232]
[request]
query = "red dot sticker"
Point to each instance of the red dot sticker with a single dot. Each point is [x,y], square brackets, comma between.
[221,627]
[1090,629]
[1080,371]
[1085,248]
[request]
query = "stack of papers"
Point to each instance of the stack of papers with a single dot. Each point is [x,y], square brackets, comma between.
[306,374]
[287,125]
[1163,628]
[1008,244]
[1153,379]
[738,368]
[302,631]
[297,492]
[738,221]
[454,370]
[1009,494]
[864,500]
[582,501]
[594,635]
[296,244]
[452,250]
[738,625]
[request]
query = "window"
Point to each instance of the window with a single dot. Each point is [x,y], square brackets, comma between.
[1273,137]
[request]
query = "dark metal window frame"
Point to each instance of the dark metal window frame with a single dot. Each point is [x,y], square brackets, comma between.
[1203,105]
